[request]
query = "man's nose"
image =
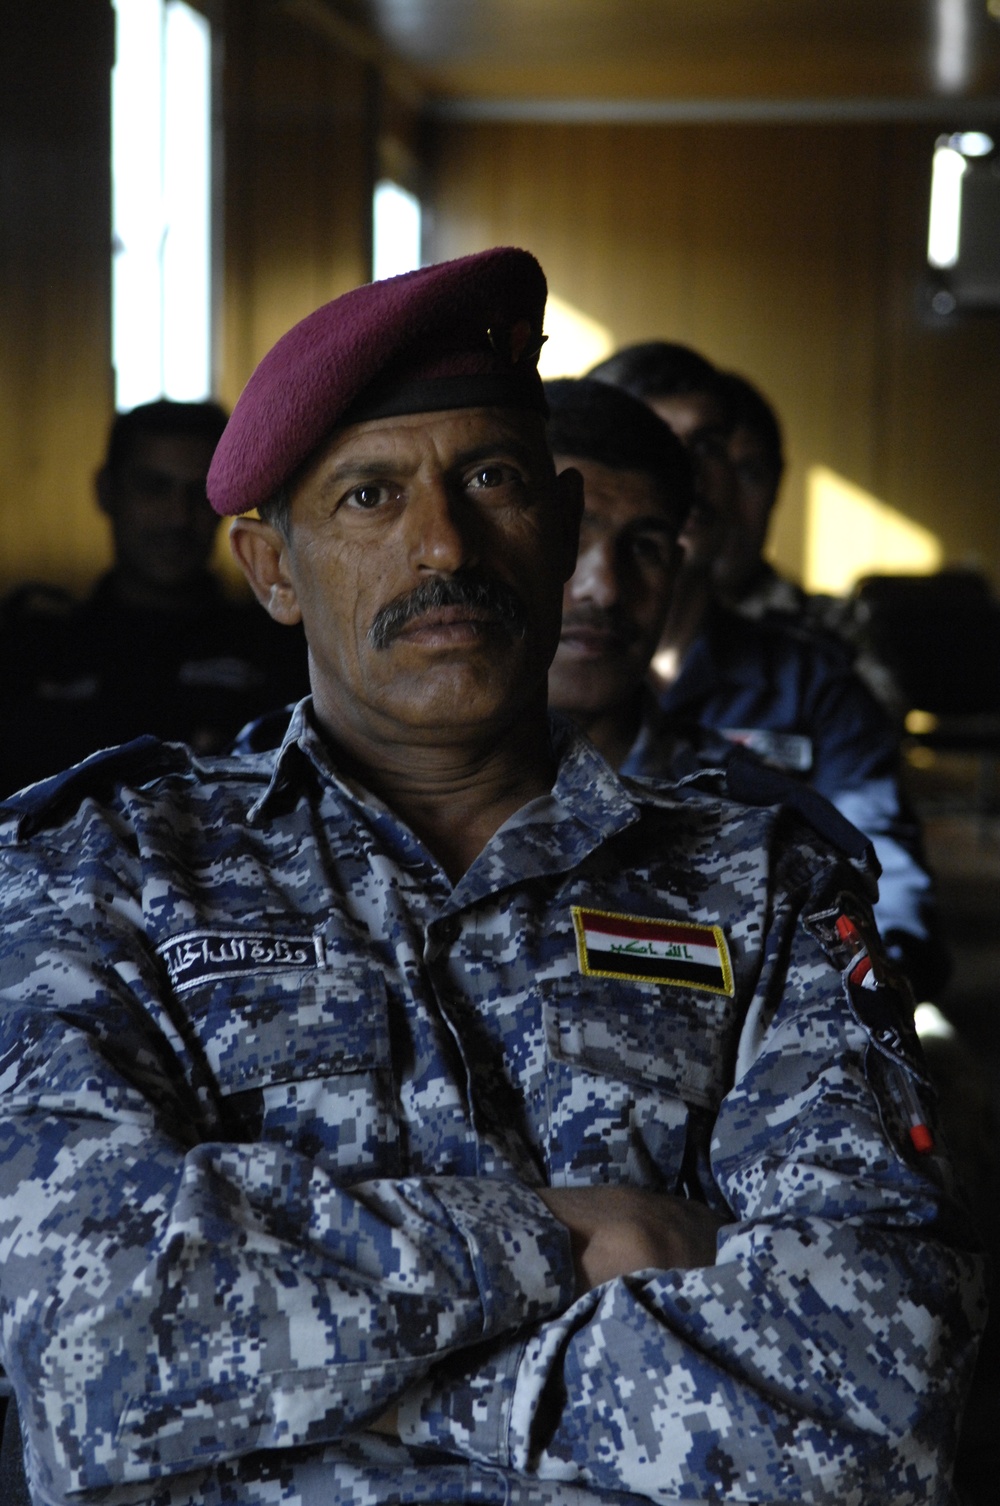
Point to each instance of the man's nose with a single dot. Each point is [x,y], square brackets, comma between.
[183,503]
[443,535]
[596,576]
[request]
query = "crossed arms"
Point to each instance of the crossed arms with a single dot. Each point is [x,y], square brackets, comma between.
[170,1301]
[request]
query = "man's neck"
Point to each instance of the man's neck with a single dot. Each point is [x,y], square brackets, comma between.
[456,793]
[613,731]
[687,613]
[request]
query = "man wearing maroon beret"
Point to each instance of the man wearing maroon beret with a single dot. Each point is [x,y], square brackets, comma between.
[419,1111]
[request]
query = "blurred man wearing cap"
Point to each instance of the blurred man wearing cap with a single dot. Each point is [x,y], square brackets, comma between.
[418,1111]
[638,492]
[756,450]
[783,688]
[616,607]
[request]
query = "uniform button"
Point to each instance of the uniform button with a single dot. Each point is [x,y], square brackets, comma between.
[450,929]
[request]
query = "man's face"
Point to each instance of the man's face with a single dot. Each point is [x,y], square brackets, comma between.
[161,521]
[426,556]
[697,420]
[617,600]
[757,479]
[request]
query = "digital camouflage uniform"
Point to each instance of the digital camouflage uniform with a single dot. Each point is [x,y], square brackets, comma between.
[276,1094]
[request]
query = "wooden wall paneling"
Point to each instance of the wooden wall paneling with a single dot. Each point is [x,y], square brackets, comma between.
[397,136]
[298,168]
[56,387]
[791,253]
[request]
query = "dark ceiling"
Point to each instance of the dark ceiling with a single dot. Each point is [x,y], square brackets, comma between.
[649,58]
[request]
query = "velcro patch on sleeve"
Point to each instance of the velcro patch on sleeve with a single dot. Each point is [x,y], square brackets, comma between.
[613,945]
[199,957]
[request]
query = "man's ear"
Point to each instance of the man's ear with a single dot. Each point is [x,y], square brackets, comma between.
[262,554]
[569,500]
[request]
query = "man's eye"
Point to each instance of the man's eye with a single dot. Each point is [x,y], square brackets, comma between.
[486,477]
[652,548]
[367,497]
[152,484]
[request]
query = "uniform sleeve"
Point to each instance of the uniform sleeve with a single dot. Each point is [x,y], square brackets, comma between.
[856,766]
[906,912]
[168,1300]
[822,1358]
[853,739]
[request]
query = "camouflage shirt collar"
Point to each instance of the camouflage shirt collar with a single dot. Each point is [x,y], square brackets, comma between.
[587,805]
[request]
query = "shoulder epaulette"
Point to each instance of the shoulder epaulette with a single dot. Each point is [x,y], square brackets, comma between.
[754,783]
[34,600]
[51,800]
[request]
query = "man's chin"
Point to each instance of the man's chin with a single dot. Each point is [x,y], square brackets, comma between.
[455,681]
[578,694]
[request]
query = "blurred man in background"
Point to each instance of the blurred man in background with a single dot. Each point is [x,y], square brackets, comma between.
[788,694]
[755,449]
[158,647]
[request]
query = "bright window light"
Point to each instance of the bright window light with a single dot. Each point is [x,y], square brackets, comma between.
[944,230]
[187,309]
[850,533]
[161,175]
[395,231]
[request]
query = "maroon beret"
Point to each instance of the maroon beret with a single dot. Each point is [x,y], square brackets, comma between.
[459,334]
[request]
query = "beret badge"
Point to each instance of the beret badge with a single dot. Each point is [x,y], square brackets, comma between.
[516,342]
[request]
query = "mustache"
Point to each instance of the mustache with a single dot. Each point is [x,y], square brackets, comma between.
[497,602]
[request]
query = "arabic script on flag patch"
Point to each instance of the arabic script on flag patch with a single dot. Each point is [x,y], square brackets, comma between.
[610,945]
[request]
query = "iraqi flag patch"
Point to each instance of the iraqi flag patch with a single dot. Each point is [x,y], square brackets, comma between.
[611,945]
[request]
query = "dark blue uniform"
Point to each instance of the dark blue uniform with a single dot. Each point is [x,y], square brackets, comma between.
[793,698]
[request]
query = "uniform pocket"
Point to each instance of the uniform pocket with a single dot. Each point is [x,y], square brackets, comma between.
[301,1056]
[627,1063]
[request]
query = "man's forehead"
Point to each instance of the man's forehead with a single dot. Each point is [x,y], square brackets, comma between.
[747,441]
[444,431]
[621,494]
[689,413]
[172,454]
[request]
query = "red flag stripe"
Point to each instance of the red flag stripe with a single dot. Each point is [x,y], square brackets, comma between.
[648,930]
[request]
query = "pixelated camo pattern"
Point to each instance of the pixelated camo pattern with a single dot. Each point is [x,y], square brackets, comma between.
[274,1096]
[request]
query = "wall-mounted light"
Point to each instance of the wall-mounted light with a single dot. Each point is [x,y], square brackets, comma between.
[963,235]
[945,226]
[951,161]
[972,143]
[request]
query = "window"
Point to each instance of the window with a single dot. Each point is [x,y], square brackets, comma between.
[161,190]
[395,230]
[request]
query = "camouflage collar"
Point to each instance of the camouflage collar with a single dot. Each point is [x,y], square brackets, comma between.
[587,805]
